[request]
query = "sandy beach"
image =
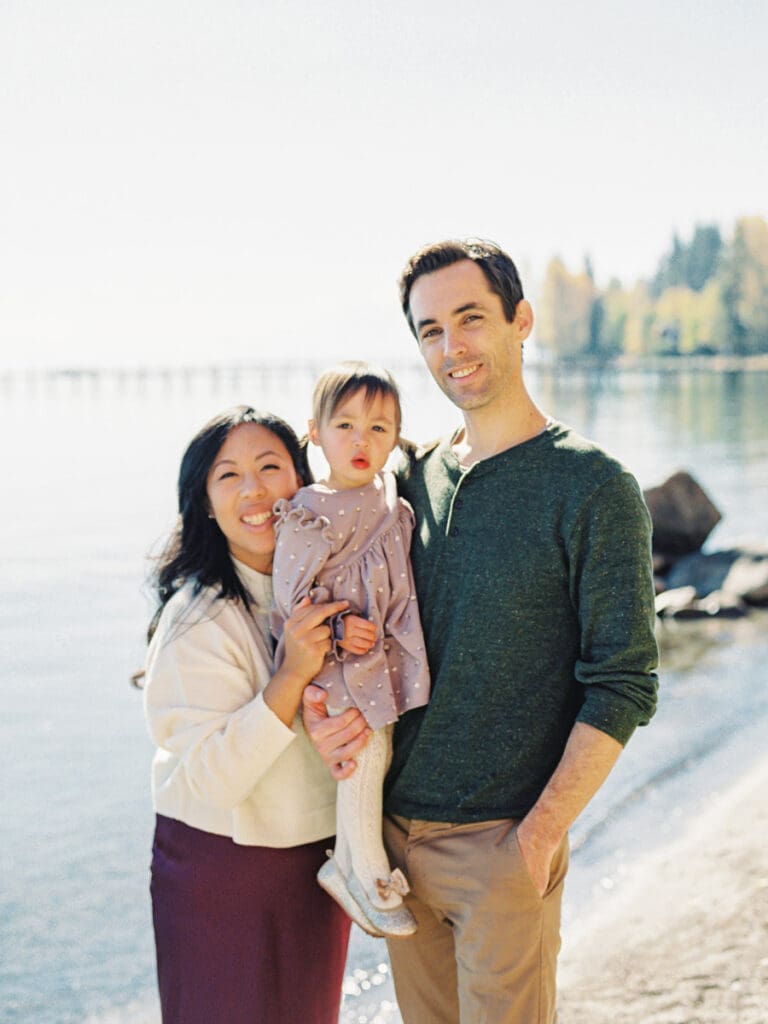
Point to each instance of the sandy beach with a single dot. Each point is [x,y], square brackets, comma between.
[685,940]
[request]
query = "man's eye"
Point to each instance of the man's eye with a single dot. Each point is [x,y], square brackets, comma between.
[431,333]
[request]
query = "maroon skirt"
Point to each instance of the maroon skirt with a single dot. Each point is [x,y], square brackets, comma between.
[243,934]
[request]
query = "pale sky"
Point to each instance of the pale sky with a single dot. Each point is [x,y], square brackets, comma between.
[227,181]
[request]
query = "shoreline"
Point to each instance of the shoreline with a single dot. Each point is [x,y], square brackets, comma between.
[14,376]
[686,940]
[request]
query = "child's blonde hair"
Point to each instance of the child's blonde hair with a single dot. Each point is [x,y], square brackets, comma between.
[347,379]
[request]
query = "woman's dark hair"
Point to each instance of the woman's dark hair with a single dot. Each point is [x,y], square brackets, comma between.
[197,550]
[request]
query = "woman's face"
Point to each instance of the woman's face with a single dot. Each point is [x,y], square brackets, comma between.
[250,472]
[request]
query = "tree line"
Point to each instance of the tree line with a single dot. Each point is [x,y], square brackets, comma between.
[708,296]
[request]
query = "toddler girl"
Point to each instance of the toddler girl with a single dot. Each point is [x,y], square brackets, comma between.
[347,538]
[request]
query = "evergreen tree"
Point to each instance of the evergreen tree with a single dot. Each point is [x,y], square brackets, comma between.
[670,272]
[702,256]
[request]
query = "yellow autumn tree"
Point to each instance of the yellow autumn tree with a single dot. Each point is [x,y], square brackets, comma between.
[745,286]
[564,315]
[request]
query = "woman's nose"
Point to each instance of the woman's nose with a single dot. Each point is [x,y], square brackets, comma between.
[253,484]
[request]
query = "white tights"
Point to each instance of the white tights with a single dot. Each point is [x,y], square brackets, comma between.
[359,845]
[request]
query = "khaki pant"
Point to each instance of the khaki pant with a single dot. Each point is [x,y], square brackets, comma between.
[486,948]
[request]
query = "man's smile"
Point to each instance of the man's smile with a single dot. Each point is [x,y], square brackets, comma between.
[463,371]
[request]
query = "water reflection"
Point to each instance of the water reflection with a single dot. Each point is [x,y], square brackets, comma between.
[74,622]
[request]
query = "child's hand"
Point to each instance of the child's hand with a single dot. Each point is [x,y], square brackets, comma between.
[359,635]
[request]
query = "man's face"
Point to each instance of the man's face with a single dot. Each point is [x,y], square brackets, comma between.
[470,348]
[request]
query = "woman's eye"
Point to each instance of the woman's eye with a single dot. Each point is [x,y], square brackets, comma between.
[270,466]
[228,473]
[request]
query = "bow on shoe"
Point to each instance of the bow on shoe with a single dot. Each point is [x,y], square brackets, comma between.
[396,883]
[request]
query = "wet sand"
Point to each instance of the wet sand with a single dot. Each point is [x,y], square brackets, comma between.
[686,939]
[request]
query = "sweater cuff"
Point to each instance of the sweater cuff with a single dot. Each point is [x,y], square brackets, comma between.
[273,734]
[612,715]
[336,623]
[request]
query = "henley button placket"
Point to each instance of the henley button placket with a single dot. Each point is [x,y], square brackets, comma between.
[456,502]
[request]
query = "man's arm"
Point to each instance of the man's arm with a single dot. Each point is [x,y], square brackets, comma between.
[610,558]
[337,738]
[587,760]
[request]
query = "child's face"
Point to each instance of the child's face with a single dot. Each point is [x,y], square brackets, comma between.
[357,439]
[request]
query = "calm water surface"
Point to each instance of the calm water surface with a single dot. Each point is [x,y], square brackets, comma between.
[89,470]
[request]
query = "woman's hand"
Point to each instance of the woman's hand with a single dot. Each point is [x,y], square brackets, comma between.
[359,634]
[337,738]
[308,637]
[307,641]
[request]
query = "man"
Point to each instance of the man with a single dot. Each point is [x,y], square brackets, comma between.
[532,563]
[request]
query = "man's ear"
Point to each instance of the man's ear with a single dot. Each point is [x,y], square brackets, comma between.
[312,432]
[523,319]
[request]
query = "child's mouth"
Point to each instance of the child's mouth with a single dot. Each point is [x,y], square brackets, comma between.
[359,462]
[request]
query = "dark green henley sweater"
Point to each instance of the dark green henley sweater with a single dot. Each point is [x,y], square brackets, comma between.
[533,574]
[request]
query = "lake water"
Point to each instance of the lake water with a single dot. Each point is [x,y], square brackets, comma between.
[89,471]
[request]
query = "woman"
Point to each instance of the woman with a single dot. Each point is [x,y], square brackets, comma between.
[245,807]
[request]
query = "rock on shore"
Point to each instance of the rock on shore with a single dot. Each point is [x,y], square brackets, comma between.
[690,583]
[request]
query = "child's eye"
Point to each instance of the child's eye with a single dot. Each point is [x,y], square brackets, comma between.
[343,426]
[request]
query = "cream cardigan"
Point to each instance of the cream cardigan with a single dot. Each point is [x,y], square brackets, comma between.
[225,762]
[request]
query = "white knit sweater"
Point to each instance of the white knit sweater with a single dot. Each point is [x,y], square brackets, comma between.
[225,762]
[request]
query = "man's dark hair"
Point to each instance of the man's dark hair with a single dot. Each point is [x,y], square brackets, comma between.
[500,272]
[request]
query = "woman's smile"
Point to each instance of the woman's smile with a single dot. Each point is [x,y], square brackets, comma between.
[257,518]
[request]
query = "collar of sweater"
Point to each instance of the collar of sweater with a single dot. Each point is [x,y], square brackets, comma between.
[515,452]
[258,585]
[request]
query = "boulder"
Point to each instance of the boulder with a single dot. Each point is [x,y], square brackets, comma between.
[682,603]
[682,513]
[741,573]
[705,573]
[671,602]
[723,604]
[748,576]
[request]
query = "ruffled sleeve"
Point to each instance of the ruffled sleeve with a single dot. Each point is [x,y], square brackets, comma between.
[303,546]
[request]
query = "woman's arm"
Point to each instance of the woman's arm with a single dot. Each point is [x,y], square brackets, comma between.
[203,704]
